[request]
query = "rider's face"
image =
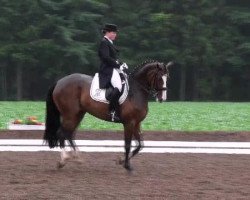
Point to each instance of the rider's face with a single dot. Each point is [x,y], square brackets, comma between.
[111,35]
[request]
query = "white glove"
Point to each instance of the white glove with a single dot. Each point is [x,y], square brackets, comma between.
[123,66]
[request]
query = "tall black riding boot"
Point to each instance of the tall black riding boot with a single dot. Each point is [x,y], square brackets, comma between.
[114,106]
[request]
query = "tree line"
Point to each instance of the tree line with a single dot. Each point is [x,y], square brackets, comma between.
[44,40]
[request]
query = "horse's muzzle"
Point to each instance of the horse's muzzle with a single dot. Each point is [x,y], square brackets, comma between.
[160,100]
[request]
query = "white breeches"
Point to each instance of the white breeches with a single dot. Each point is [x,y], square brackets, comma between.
[116,80]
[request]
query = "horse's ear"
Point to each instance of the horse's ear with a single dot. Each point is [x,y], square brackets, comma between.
[171,63]
[159,65]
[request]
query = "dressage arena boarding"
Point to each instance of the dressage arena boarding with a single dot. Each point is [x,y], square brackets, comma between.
[173,165]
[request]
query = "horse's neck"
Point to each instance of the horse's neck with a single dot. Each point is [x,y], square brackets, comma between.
[138,93]
[140,78]
[139,86]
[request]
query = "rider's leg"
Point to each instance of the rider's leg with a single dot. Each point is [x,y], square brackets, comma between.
[116,81]
[115,94]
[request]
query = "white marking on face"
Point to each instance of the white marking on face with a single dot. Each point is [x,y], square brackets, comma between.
[164,92]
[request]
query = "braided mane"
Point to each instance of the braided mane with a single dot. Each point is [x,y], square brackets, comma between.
[132,74]
[138,67]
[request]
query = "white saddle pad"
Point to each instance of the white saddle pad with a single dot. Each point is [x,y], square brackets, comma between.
[98,94]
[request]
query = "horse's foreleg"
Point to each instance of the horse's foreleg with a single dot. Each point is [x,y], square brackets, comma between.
[127,151]
[139,143]
[128,130]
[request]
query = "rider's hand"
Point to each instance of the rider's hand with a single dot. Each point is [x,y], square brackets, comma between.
[119,62]
[123,66]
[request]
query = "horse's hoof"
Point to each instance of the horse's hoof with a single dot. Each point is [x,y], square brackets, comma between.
[60,165]
[78,161]
[120,161]
[128,167]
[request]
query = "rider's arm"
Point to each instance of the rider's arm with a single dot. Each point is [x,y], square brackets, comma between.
[105,55]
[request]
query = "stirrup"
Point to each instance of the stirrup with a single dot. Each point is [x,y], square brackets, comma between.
[114,117]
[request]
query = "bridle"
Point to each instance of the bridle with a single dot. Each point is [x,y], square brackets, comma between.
[152,89]
[155,88]
[155,83]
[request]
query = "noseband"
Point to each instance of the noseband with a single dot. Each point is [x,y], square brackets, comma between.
[155,83]
[152,88]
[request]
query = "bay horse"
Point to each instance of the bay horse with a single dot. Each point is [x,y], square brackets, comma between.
[69,100]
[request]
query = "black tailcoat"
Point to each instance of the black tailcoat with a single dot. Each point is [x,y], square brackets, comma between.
[108,56]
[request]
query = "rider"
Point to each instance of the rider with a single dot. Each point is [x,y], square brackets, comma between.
[108,76]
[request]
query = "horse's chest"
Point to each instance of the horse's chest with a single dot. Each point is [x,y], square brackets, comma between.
[141,114]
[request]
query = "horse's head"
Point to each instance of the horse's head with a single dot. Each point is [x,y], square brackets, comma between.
[159,82]
[155,76]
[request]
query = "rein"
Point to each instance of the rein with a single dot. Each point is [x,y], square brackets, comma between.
[157,89]
[150,90]
[152,87]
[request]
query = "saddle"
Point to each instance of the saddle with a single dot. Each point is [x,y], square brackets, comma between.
[100,95]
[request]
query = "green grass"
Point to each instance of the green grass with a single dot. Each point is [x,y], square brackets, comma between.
[20,110]
[177,116]
[193,116]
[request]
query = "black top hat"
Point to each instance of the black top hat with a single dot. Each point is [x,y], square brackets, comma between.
[109,28]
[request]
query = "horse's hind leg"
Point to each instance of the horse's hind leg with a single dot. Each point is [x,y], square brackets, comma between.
[67,132]
[75,153]
[69,155]
[64,157]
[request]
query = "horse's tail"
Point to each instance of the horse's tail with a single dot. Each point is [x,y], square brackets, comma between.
[52,120]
